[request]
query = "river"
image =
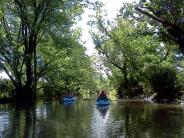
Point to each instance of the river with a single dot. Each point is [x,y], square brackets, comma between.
[83,119]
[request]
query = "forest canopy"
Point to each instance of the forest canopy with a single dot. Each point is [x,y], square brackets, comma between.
[39,47]
[140,50]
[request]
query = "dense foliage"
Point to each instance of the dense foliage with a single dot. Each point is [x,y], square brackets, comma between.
[38,46]
[139,59]
[167,16]
[141,50]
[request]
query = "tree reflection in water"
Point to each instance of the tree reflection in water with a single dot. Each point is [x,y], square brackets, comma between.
[84,119]
[18,122]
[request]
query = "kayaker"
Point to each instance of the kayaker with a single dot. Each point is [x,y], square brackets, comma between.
[102,96]
[68,95]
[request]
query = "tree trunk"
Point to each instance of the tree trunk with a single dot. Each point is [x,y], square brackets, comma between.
[126,82]
[29,72]
[120,92]
[35,71]
[26,93]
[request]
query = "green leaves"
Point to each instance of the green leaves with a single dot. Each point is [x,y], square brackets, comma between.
[160,72]
[168,17]
[68,68]
[133,53]
[32,35]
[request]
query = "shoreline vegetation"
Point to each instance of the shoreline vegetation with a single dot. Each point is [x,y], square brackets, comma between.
[139,97]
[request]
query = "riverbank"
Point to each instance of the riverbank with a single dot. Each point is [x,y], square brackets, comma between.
[146,98]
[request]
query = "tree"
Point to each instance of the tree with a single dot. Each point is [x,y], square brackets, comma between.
[127,45]
[167,15]
[162,77]
[24,24]
[123,51]
[70,71]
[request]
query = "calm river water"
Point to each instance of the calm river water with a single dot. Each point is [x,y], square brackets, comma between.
[128,119]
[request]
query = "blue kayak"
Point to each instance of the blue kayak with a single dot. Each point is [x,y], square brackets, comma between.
[69,99]
[102,102]
[69,103]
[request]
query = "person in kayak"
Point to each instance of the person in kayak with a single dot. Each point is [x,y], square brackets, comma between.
[102,96]
[68,95]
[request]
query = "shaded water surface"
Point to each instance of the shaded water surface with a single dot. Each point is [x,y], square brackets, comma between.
[128,119]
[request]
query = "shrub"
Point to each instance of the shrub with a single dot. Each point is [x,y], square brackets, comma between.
[162,78]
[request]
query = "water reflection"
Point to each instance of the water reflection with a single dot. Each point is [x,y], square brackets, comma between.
[103,110]
[100,122]
[69,103]
[4,121]
[16,122]
[143,120]
[130,119]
